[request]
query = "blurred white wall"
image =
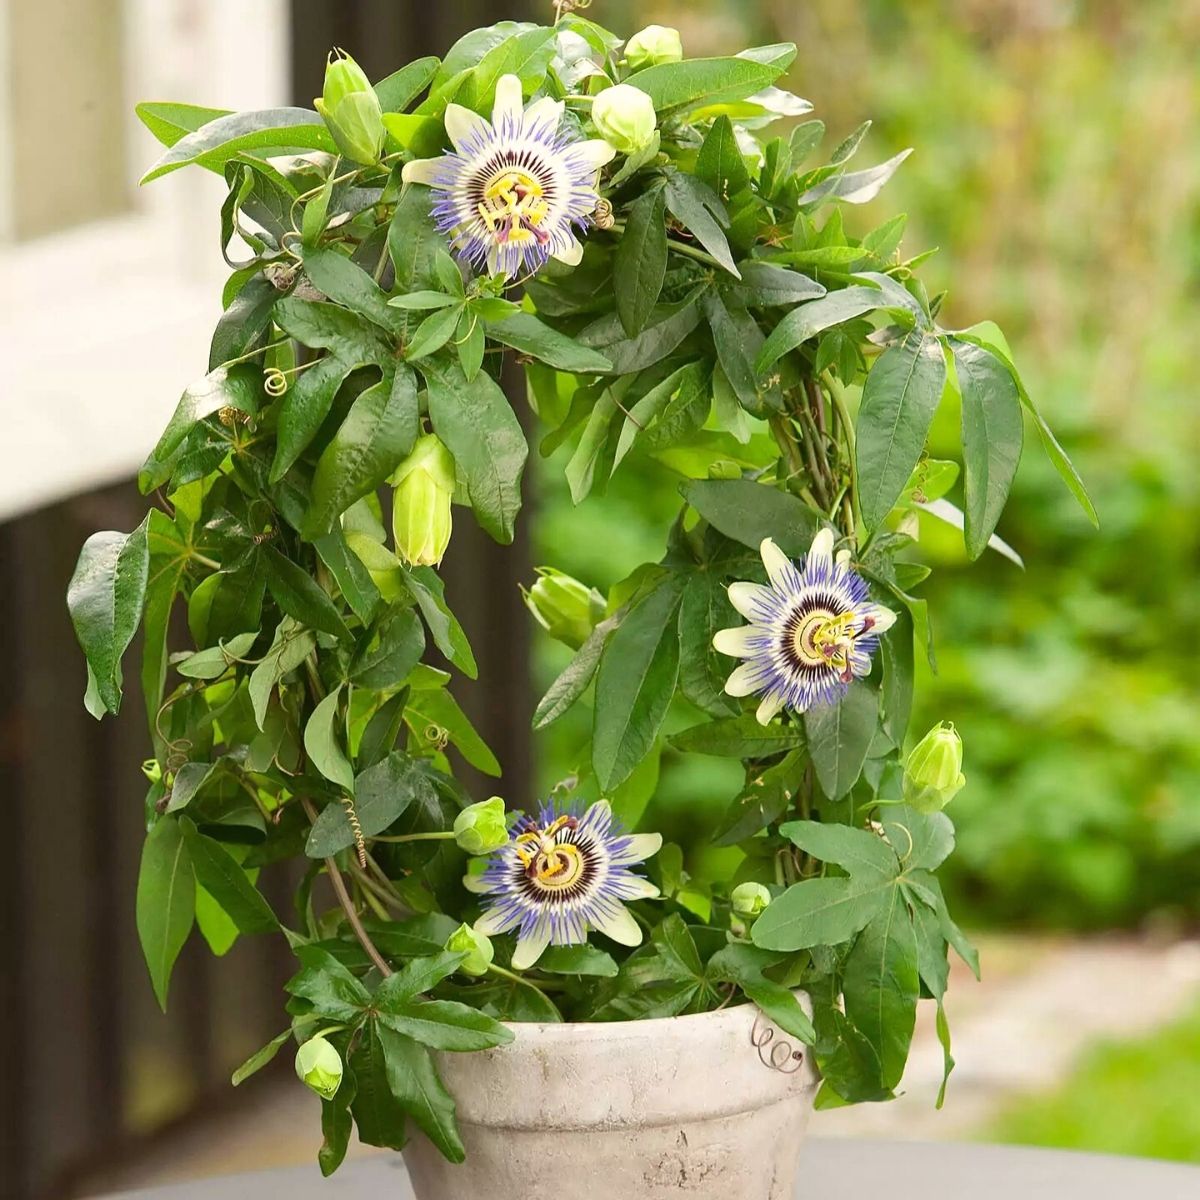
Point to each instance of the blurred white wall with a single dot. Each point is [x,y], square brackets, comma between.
[108,294]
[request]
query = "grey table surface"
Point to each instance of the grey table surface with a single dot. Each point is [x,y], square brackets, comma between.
[830,1169]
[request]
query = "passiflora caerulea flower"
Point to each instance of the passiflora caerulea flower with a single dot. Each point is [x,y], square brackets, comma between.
[562,875]
[514,190]
[812,629]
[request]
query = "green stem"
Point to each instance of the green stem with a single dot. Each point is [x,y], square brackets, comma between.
[513,977]
[837,394]
[447,835]
[618,227]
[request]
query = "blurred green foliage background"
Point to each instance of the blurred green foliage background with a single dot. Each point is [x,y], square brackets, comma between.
[1057,168]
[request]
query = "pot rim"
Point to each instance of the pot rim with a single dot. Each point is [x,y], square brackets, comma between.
[650,1028]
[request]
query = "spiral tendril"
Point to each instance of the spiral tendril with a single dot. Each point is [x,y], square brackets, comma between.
[774,1052]
[360,842]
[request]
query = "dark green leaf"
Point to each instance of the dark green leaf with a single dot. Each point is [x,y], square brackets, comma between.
[382,793]
[379,1115]
[634,685]
[820,912]
[577,960]
[324,326]
[336,1126]
[676,87]
[300,596]
[766,286]
[304,408]
[419,1092]
[882,987]
[992,432]
[856,851]
[353,579]
[435,708]
[481,431]
[720,163]
[574,679]
[839,736]
[105,597]
[347,284]
[447,1025]
[402,87]
[166,901]
[376,436]
[640,264]
[701,211]
[809,319]
[426,588]
[739,737]
[745,966]
[737,339]
[899,399]
[171,121]
[323,737]
[386,662]
[763,800]
[705,609]
[291,646]
[668,326]
[217,141]
[260,1058]
[524,332]
[220,874]
[748,512]
[241,324]
[413,239]
[433,333]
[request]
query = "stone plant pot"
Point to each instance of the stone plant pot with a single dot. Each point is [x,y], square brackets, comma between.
[711,1106]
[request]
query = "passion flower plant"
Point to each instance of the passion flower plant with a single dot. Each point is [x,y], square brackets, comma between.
[693,297]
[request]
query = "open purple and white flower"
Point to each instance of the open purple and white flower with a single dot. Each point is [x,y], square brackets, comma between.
[513,191]
[813,629]
[562,875]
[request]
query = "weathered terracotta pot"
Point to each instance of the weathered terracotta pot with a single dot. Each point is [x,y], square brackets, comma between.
[712,1106]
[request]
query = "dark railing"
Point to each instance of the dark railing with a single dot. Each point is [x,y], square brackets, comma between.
[90,1071]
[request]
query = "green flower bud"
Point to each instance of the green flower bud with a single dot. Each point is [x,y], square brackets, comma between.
[567,609]
[749,899]
[624,117]
[424,490]
[351,110]
[654,44]
[933,771]
[481,828]
[478,948]
[320,1066]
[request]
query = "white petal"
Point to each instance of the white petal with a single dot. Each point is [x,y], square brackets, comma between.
[421,170]
[641,847]
[529,949]
[843,557]
[620,926]
[746,597]
[572,255]
[634,887]
[478,884]
[736,642]
[492,922]
[461,123]
[595,152]
[822,546]
[508,99]
[771,704]
[884,618]
[544,111]
[744,681]
[779,566]
[598,816]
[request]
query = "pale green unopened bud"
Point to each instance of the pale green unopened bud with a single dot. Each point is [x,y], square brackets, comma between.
[624,117]
[320,1066]
[421,517]
[933,771]
[567,609]
[477,947]
[351,110]
[481,828]
[749,899]
[654,44]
